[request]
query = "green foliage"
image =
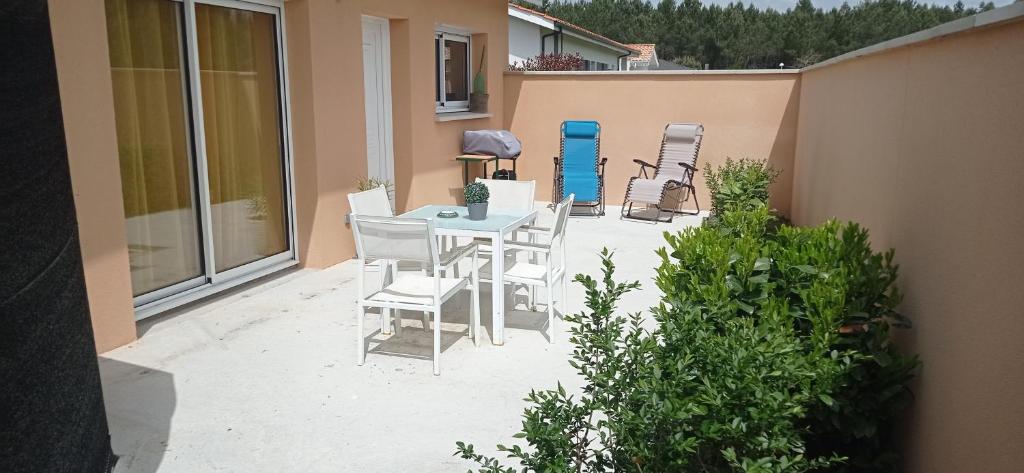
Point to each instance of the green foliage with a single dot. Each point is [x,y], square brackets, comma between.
[836,289]
[477,193]
[739,185]
[367,183]
[711,389]
[742,36]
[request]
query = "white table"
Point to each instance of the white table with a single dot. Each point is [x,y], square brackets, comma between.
[497,225]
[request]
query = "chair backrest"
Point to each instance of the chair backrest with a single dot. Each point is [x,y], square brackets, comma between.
[509,195]
[373,202]
[561,218]
[680,144]
[581,145]
[394,238]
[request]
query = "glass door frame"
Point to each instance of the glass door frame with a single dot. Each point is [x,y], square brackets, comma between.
[211,281]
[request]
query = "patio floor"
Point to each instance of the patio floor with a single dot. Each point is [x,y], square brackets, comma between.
[264,379]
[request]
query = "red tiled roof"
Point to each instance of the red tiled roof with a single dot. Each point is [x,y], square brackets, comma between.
[646,51]
[579,29]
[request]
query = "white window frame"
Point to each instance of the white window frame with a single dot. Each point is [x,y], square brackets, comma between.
[442,105]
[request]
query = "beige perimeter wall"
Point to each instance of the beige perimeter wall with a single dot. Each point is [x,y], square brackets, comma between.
[752,115]
[925,146]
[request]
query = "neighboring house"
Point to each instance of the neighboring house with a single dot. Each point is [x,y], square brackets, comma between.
[531,33]
[647,60]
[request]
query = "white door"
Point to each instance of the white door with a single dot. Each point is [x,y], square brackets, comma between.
[380,157]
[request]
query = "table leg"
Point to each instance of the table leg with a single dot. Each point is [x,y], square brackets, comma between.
[465,173]
[498,287]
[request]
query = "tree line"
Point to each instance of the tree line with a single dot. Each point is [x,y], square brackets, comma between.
[739,36]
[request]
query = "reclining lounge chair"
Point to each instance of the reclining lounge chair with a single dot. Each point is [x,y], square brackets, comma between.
[677,162]
[580,169]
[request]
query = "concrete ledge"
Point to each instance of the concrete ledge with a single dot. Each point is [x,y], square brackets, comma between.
[685,72]
[1012,12]
[453,116]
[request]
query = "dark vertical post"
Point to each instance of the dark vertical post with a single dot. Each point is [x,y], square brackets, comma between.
[52,417]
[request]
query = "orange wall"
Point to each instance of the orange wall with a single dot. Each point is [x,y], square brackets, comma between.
[325,61]
[744,115]
[925,146]
[83,73]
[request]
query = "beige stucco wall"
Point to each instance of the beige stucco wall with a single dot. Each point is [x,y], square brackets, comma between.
[83,72]
[925,146]
[327,105]
[744,115]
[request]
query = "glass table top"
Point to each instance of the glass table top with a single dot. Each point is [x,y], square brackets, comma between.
[497,219]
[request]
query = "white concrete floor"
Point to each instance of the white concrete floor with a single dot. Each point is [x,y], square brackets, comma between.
[264,379]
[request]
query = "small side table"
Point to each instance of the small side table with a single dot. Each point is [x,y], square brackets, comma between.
[474,158]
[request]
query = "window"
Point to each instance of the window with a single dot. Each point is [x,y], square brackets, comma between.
[452,68]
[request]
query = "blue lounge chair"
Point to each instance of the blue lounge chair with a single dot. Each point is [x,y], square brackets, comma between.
[580,169]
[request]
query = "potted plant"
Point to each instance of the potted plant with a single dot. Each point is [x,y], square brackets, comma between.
[476,199]
[478,98]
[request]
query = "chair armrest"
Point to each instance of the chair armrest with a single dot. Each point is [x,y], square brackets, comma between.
[449,258]
[687,166]
[533,229]
[645,164]
[556,160]
[603,161]
[527,246]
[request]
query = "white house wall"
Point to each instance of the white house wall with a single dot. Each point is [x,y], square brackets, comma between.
[523,40]
[590,51]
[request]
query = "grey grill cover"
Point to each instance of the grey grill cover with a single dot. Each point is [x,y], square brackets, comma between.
[500,143]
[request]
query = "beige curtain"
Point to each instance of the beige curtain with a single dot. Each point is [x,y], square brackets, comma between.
[241,106]
[144,37]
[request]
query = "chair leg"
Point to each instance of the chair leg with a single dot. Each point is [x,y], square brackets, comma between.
[398,322]
[437,340]
[426,320]
[361,342]
[475,300]
[551,311]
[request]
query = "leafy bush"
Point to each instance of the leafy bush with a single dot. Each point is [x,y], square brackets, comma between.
[550,62]
[709,390]
[745,263]
[739,185]
[367,183]
[477,193]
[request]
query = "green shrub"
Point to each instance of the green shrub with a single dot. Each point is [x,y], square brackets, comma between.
[708,390]
[477,193]
[744,262]
[739,185]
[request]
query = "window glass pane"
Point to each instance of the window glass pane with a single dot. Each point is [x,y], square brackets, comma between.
[242,126]
[456,70]
[437,69]
[151,113]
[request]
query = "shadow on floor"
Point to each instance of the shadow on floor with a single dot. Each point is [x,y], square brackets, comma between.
[140,402]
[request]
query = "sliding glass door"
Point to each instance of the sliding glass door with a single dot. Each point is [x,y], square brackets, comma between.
[199,104]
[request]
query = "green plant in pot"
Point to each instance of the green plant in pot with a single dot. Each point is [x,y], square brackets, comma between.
[476,199]
[478,98]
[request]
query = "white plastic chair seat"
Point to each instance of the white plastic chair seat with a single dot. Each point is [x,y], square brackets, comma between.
[416,290]
[530,273]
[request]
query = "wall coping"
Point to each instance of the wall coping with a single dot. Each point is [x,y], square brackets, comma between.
[683,72]
[1007,13]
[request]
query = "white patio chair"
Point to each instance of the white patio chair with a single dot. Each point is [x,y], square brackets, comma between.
[406,239]
[375,203]
[549,273]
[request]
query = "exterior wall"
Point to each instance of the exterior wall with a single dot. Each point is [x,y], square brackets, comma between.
[923,145]
[329,134]
[328,127]
[745,114]
[590,51]
[523,40]
[83,70]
